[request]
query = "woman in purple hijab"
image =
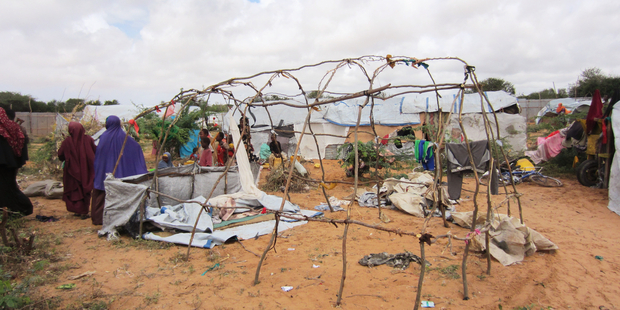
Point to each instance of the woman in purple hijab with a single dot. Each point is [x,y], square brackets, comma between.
[131,163]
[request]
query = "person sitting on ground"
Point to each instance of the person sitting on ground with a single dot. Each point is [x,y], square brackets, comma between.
[195,155]
[276,150]
[165,162]
[78,152]
[206,158]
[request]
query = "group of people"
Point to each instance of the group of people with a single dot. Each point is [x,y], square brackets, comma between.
[86,164]
[213,153]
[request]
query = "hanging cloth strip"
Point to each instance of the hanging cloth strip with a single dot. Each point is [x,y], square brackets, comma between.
[458,163]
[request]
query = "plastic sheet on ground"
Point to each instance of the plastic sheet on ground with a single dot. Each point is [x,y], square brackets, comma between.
[182,216]
[243,232]
[511,241]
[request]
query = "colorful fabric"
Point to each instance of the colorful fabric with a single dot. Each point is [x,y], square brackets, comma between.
[221,155]
[12,133]
[416,149]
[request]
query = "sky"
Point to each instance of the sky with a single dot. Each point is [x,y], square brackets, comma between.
[146,51]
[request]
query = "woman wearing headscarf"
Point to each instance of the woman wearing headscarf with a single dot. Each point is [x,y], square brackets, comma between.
[78,153]
[131,163]
[13,156]
[165,162]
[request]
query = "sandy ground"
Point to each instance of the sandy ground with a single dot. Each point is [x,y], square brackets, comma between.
[140,275]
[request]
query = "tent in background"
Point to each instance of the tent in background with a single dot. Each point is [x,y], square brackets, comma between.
[389,115]
[572,104]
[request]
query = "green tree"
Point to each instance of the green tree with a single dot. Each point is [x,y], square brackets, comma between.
[592,79]
[70,104]
[494,84]
[110,102]
[21,103]
[549,93]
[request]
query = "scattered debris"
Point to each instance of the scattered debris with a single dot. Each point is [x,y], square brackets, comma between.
[85,274]
[68,286]
[287,288]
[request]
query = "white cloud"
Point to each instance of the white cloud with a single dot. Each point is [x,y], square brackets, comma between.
[145,51]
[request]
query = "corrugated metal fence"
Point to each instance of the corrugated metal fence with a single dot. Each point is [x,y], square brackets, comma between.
[40,124]
[529,108]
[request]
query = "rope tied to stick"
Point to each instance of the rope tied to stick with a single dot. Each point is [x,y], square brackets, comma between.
[473,234]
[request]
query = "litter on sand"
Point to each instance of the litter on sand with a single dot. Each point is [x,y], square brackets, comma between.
[427,304]
[85,274]
[400,260]
[67,286]
[287,288]
[211,268]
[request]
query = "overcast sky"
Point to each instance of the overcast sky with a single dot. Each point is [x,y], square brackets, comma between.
[145,51]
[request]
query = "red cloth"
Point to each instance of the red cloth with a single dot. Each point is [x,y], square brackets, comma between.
[12,133]
[552,134]
[221,155]
[169,109]
[206,159]
[384,141]
[596,111]
[78,153]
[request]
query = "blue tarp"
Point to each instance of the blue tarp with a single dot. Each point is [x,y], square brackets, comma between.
[187,149]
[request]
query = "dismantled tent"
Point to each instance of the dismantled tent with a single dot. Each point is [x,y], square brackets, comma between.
[192,183]
[337,118]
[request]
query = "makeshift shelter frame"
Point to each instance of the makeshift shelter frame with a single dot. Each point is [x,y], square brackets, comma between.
[369,94]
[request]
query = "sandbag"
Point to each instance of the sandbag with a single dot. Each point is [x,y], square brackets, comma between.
[49,188]
[409,203]
[512,241]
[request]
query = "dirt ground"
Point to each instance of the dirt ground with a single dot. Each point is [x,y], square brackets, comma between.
[144,274]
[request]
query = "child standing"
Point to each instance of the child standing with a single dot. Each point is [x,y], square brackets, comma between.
[206,158]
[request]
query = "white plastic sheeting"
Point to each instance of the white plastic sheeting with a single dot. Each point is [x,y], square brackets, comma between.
[218,237]
[242,232]
[182,216]
[614,175]
[512,127]
[123,196]
[472,103]
[385,112]
[307,148]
